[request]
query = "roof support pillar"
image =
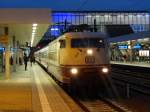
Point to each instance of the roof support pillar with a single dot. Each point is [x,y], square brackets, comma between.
[7,55]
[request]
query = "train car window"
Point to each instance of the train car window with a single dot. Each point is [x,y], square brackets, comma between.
[62,43]
[87,42]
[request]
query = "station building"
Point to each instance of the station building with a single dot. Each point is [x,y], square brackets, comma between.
[128,31]
[138,20]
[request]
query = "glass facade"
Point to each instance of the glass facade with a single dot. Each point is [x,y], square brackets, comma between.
[138,20]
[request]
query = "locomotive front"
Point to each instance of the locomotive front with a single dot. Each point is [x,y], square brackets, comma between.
[85,55]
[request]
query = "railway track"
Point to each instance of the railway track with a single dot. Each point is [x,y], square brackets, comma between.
[132,84]
[132,74]
[97,105]
[132,81]
[100,105]
[133,71]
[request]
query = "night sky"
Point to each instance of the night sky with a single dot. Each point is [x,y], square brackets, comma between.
[78,4]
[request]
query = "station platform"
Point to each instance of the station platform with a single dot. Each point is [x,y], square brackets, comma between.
[138,64]
[33,91]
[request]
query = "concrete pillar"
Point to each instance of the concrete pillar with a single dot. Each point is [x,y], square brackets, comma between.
[7,63]
[130,50]
[7,55]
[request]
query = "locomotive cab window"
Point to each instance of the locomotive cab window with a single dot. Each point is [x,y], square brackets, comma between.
[87,42]
[62,43]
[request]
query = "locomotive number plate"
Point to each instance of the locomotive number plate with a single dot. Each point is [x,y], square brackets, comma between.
[89,59]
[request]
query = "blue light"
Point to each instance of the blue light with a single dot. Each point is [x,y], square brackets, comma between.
[61,17]
[123,46]
[137,46]
[54,29]
[2,49]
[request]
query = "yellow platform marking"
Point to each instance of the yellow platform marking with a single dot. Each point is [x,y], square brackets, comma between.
[43,99]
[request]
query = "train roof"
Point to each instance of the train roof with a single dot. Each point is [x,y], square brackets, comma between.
[84,35]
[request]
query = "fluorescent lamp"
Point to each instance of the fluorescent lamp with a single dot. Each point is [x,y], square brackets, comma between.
[33,31]
[34,25]
[54,29]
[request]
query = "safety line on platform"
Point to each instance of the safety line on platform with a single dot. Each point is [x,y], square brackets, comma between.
[43,99]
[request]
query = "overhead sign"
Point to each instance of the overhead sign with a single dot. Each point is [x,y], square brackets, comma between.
[2,49]
[123,46]
[4,39]
[137,46]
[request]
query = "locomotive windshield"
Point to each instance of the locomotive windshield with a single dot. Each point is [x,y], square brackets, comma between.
[87,42]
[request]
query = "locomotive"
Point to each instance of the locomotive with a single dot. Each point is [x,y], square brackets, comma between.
[76,57]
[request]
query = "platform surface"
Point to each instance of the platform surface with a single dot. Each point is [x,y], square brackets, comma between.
[139,64]
[33,91]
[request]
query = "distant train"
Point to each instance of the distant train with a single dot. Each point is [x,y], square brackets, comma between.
[76,56]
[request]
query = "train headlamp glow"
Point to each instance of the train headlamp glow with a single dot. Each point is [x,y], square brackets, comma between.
[105,70]
[74,71]
[89,51]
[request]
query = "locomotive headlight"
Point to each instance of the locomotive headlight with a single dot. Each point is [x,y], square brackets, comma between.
[105,70]
[74,71]
[89,51]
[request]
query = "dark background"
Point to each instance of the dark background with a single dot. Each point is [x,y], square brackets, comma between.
[78,4]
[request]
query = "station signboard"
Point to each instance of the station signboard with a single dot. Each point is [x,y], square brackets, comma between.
[123,46]
[1,57]
[4,39]
[2,49]
[137,46]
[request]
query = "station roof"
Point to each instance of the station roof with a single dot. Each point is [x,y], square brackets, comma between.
[133,36]
[20,21]
[101,11]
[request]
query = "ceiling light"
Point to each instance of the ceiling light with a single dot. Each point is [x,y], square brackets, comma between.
[33,31]
[32,41]
[52,29]
[34,25]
